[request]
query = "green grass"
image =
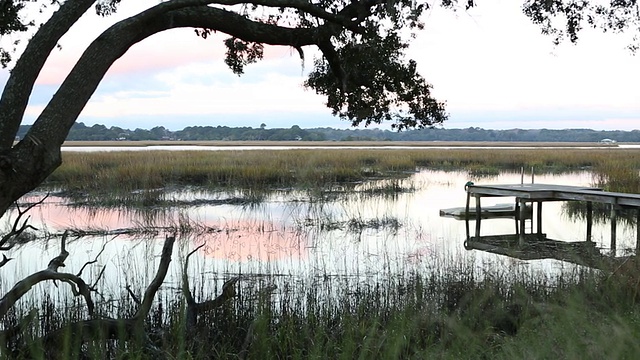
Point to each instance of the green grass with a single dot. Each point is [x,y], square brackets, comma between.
[449,312]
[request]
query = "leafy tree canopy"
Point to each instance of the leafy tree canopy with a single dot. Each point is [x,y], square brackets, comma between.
[362,71]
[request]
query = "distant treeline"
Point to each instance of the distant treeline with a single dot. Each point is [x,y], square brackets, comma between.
[81,132]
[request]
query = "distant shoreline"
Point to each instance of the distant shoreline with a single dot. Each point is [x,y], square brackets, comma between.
[338,143]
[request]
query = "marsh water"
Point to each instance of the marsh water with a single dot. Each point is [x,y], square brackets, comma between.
[364,231]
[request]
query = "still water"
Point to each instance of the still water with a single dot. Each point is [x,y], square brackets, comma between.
[363,233]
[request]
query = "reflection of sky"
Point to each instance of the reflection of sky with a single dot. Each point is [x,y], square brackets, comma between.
[287,238]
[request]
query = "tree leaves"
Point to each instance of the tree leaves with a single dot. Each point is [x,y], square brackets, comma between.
[241,53]
[10,17]
[374,84]
[565,19]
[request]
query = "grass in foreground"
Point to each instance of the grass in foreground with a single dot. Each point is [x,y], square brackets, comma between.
[446,313]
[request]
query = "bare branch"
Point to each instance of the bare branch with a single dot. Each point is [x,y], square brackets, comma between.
[228,292]
[95,260]
[18,229]
[134,297]
[23,286]
[59,260]
[157,281]
[78,286]
[5,260]
[95,283]
[192,308]
[185,278]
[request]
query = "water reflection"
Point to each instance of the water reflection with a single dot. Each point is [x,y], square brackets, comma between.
[370,230]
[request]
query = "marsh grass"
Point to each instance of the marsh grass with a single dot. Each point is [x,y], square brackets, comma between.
[617,175]
[125,172]
[450,311]
[449,308]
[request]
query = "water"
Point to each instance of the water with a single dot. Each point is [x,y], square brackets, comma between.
[363,233]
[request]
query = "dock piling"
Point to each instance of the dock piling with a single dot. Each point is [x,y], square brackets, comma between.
[589,219]
[539,218]
[522,219]
[614,219]
[478,216]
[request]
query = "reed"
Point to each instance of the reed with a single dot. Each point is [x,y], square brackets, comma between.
[128,171]
[451,311]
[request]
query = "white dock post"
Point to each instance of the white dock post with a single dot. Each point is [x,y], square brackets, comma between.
[521,175]
[532,175]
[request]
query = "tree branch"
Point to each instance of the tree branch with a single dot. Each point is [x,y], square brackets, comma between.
[26,70]
[51,127]
[18,229]
[5,260]
[153,287]
[37,155]
[124,329]
[195,308]
[78,286]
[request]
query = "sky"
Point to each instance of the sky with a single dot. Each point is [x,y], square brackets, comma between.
[490,65]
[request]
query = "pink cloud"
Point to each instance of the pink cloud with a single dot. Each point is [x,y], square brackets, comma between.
[162,51]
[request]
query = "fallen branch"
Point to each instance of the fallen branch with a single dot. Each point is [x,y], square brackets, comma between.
[194,309]
[153,287]
[78,286]
[124,329]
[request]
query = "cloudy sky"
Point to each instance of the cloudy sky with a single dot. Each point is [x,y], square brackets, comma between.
[491,65]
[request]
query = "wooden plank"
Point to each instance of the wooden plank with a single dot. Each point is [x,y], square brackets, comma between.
[547,192]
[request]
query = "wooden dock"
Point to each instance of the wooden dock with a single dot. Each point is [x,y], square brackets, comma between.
[539,193]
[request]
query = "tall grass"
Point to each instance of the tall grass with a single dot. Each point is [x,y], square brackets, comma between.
[454,312]
[128,171]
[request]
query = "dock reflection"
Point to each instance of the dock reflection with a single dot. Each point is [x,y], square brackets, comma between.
[538,247]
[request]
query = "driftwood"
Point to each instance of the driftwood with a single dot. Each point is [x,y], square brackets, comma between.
[78,285]
[123,329]
[196,308]
[95,328]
